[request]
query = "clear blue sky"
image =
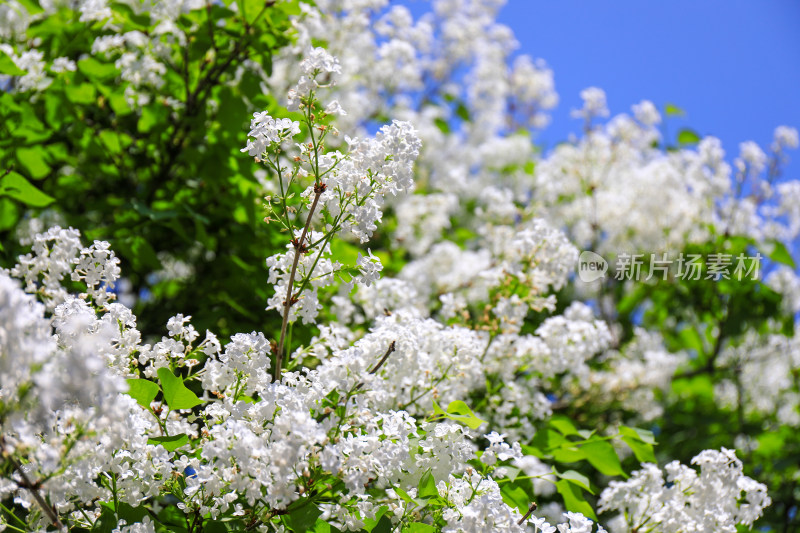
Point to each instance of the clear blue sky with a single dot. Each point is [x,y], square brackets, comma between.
[733,65]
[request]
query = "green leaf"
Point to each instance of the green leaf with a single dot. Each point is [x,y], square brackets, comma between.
[427,486]
[171,442]
[32,6]
[672,110]
[640,441]
[419,527]
[462,112]
[139,252]
[563,425]
[383,525]
[152,115]
[321,526]
[577,478]
[568,454]
[514,496]
[108,517]
[7,66]
[176,394]
[691,339]
[304,517]
[644,435]
[219,526]
[573,499]
[111,141]
[32,161]
[442,124]
[373,524]
[83,94]
[143,391]
[92,68]
[344,252]
[687,136]
[602,456]
[643,452]
[106,523]
[14,186]
[459,412]
[404,495]
[9,214]
[778,252]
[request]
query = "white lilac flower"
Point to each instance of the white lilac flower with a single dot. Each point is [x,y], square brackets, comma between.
[715,499]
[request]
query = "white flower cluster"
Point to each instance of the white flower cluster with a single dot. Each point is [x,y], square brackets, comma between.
[372,169]
[634,374]
[765,387]
[316,62]
[63,409]
[317,268]
[57,253]
[30,61]
[715,499]
[267,131]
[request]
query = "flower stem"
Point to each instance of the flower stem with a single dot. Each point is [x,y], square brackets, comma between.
[33,488]
[288,302]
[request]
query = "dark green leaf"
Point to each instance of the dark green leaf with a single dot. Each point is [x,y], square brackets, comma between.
[418,527]
[9,214]
[304,516]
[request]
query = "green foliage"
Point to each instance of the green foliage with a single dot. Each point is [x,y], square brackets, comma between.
[164,181]
[459,412]
[687,137]
[671,110]
[176,394]
[143,391]
[170,442]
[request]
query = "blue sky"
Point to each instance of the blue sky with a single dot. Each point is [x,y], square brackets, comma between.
[733,65]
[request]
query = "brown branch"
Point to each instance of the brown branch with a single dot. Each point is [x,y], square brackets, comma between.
[379,364]
[531,509]
[33,488]
[299,245]
[358,386]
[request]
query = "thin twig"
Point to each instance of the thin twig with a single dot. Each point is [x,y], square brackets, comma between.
[379,364]
[358,386]
[531,509]
[299,247]
[33,488]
